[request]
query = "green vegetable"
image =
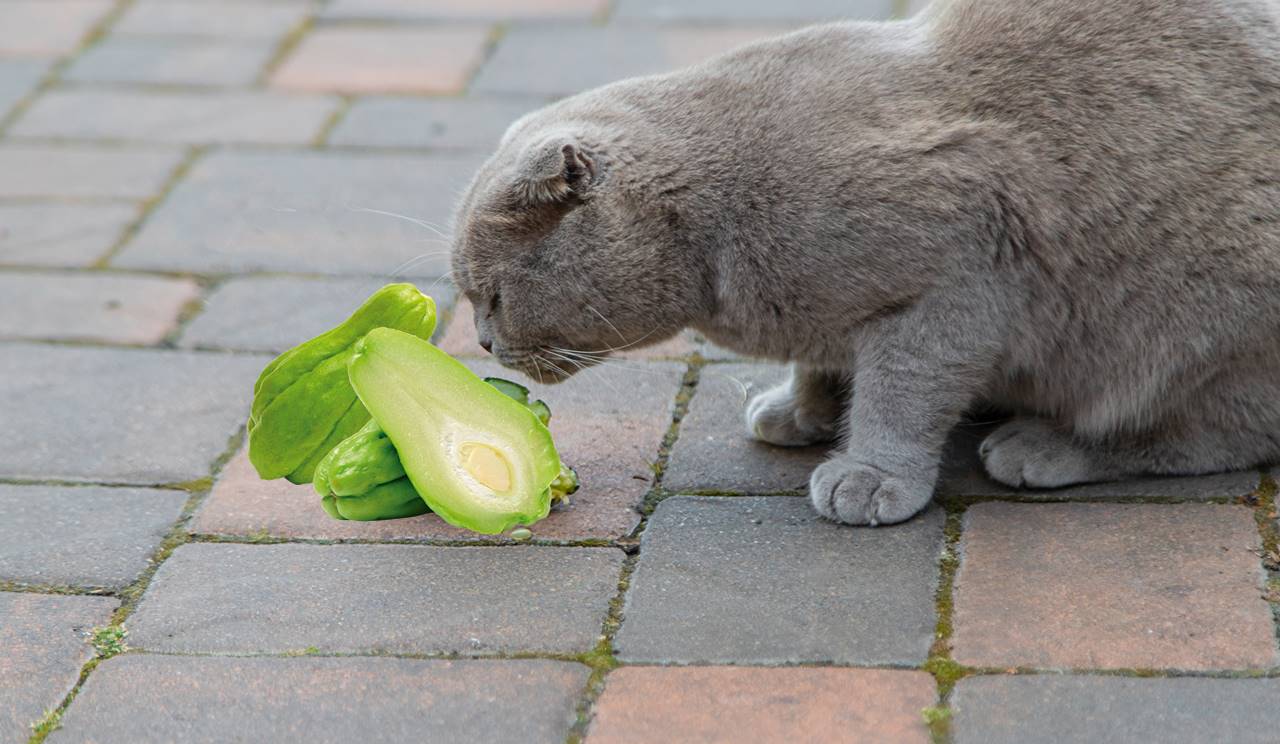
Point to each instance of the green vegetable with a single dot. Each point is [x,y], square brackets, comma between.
[359,462]
[520,394]
[480,459]
[303,403]
[386,501]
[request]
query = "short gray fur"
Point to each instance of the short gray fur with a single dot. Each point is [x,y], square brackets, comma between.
[1068,208]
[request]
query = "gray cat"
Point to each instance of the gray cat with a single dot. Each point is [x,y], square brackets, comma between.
[1067,208]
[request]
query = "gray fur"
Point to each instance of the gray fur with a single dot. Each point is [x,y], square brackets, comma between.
[1067,208]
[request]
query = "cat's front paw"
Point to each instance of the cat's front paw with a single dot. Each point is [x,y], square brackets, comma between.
[852,492]
[776,416]
[1029,452]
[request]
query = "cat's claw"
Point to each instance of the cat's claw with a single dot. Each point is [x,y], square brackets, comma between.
[854,493]
[775,416]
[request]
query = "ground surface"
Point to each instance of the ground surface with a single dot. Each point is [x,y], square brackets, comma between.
[188,186]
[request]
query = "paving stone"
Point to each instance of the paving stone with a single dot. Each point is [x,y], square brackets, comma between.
[60,235]
[384,60]
[460,340]
[752,10]
[714,451]
[129,416]
[233,117]
[1166,586]
[830,593]
[561,60]
[445,123]
[18,77]
[172,61]
[115,308]
[220,20]
[82,536]
[377,598]
[324,213]
[608,423]
[40,28]
[83,171]
[45,642]
[1052,709]
[276,313]
[736,704]
[452,10]
[145,698]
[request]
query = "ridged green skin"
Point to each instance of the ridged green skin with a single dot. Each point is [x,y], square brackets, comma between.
[423,398]
[303,403]
[394,500]
[359,462]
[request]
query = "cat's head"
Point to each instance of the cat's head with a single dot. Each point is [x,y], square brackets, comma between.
[561,258]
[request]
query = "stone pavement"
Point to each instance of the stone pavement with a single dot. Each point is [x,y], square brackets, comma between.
[190,186]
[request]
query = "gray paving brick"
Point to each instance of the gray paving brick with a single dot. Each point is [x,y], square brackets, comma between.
[276,313]
[83,171]
[203,18]
[94,307]
[323,213]
[239,117]
[453,10]
[765,580]
[559,60]
[172,61]
[446,123]
[82,536]
[18,77]
[44,637]
[127,416]
[143,698]
[377,598]
[60,235]
[1052,709]
[753,10]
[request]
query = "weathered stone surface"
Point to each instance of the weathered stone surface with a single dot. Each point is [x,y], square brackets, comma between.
[753,10]
[608,424]
[1052,709]
[172,61]
[736,704]
[45,638]
[40,28]
[119,415]
[276,313]
[322,212]
[765,580]
[203,18]
[230,117]
[384,60]
[91,307]
[451,10]
[143,698]
[18,77]
[377,598]
[83,171]
[60,235]
[444,123]
[82,536]
[1167,586]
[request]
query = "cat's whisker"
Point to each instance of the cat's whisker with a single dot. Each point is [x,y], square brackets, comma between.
[414,220]
[417,260]
[600,315]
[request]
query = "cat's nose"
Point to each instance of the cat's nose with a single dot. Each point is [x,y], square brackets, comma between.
[486,344]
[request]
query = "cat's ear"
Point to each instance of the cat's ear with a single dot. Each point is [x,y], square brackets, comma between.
[558,170]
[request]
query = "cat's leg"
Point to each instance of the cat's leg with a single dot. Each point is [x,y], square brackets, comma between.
[805,409]
[915,374]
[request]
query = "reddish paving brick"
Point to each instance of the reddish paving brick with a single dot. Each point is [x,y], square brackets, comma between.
[1170,586]
[737,704]
[467,10]
[91,307]
[460,339]
[228,117]
[172,61]
[41,28]
[45,642]
[222,20]
[60,235]
[608,424]
[83,171]
[400,60]
[145,698]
